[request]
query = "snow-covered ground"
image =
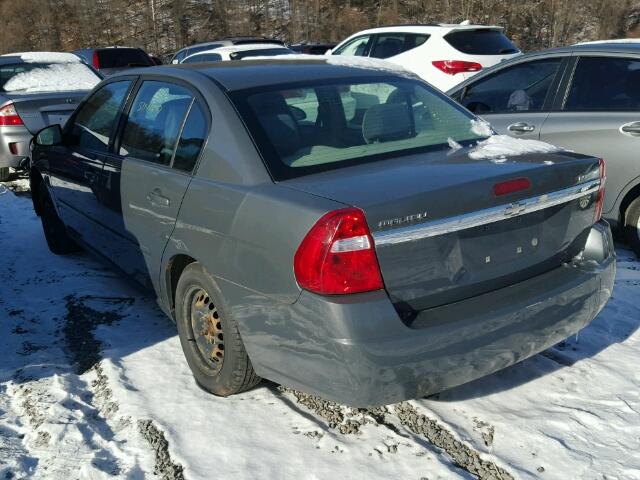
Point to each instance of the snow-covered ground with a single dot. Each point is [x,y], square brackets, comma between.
[93,384]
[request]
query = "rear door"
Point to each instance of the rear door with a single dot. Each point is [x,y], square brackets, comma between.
[516,99]
[159,145]
[600,115]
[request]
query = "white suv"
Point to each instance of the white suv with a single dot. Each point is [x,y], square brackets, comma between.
[442,54]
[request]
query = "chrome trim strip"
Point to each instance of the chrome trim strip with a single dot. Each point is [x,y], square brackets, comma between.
[484,217]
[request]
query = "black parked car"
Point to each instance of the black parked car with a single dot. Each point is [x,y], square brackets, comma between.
[110,60]
[317,48]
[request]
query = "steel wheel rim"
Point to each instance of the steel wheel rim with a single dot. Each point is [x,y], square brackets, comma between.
[206,326]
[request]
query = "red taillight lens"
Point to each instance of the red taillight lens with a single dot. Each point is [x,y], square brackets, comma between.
[452,67]
[511,186]
[9,115]
[600,195]
[95,61]
[337,255]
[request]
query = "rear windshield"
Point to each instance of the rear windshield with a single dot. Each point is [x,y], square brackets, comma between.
[123,57]
[263,52]
[46,77]
[312,127]
[481,42]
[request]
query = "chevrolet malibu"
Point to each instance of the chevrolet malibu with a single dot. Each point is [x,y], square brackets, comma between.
[346,230]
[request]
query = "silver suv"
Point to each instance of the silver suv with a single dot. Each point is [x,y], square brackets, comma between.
[584,98]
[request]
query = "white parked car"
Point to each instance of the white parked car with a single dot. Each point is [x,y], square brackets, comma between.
[238,52]
[442,54]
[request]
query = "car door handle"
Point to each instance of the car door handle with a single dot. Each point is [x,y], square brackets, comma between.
[521,127]
[632,128]
[156,198]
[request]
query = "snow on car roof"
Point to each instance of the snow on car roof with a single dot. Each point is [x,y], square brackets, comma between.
[44,57]
[242,48]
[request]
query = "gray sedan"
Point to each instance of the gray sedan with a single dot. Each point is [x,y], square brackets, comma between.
[585,98]
[345,230]
[36,89]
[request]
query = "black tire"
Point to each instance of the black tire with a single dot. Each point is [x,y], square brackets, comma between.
[55,232]
[632,225]
[209,335]
[5,173]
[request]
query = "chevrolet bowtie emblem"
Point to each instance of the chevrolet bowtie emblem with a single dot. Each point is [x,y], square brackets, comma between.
[514,209]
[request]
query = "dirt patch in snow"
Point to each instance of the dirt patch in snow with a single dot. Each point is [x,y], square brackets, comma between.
[166,468]
[462,455]
[81,320]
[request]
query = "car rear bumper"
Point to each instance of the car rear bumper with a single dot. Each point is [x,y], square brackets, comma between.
[19,136]
[356,350]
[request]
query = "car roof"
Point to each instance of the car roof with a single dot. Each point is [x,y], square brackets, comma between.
[597,46]
[279,70]
[431,28]
[227,41]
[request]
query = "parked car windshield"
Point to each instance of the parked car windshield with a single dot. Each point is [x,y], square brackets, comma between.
[482,41]
[46,77]
[319,126]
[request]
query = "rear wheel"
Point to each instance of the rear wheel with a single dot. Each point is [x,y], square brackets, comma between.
[55,233]
[632,225]
[209,336]
[4,174]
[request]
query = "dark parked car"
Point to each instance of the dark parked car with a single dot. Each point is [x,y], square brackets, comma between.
[110,60]
[333,228]
[317,48]
[584,98]
[36,89]
[183,53]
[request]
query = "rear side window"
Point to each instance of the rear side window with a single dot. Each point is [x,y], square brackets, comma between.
[605,83]
[93,125]
[387,45]
[481,42]
[304,129]
[191,140]
[154,122]
[203,57]
[356,47]
[519,88]
[263,52]
[123,57]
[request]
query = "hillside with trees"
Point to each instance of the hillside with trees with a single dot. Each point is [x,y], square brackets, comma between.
[162,26]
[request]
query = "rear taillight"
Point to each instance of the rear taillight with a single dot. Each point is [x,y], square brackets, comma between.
[600,195]
[95,61]
[337,255]
[9,115]
[511,186]
[452,67]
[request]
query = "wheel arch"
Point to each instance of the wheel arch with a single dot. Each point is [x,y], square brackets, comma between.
[173,271]
[629,197]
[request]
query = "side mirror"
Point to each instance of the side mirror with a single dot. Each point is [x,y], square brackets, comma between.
[49,136]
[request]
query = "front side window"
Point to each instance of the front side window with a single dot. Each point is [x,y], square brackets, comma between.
[316,127]
[519,88]
[154,122]
[94,123]
[388,45]
[605,83]
[356,47]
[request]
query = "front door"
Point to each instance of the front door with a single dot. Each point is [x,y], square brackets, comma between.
[76,167]
[516,99]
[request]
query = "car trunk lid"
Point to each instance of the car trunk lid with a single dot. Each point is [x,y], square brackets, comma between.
[37,110]
[442,234]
